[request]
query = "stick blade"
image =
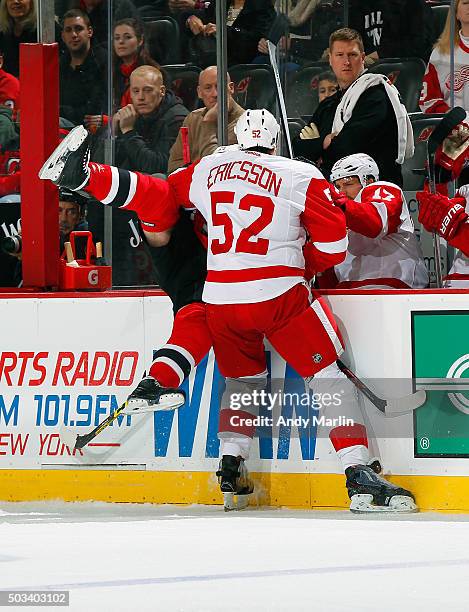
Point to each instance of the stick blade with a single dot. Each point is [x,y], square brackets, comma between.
[68,437]
[403,405]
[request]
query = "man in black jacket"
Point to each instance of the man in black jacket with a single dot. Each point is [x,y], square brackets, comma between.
[148,127]
[368,123]
[81,70]
[146,130]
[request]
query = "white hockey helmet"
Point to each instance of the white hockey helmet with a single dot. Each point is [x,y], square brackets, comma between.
[257,128]
[359,164]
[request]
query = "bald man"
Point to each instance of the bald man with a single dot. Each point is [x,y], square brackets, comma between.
[202,123]
[148,126]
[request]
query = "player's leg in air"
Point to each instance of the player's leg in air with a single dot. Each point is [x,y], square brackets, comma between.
[180,261]
[186,347]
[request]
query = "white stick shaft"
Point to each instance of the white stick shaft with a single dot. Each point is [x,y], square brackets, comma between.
[283,110]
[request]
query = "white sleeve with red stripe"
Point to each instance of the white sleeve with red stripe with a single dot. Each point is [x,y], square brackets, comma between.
[378,210]
[325,224]
[432,98]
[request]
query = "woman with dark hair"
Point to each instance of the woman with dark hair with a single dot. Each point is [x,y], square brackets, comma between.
[129,52]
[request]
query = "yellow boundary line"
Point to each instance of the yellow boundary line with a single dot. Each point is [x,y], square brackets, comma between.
[447,493]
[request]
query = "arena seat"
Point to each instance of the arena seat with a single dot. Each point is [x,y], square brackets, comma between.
[406,74]
[295,126]
[184,79]
[440,12]
[162,38]
[254,86]
[422,125]
[159,8]
[302,91]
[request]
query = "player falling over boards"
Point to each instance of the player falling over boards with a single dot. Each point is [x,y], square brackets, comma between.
[258,208]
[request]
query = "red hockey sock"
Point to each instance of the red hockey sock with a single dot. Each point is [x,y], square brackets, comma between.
[345,436]
[236,422]
[188,344]
[150,197]
[100,181]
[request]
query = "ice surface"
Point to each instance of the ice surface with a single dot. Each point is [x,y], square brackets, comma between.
[168,558]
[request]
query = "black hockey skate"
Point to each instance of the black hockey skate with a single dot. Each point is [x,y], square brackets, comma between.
[234,482]
[68,164]
[372,493]
[150,396]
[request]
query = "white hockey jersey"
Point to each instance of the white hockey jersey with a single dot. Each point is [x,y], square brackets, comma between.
[435,96]
[383,249]
[458,276]
[258,208]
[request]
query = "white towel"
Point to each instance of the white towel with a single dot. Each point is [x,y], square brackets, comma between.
[405,135]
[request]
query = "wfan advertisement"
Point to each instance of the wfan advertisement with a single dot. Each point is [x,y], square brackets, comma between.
[71,362]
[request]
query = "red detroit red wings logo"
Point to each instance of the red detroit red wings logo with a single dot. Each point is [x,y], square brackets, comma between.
[461,77]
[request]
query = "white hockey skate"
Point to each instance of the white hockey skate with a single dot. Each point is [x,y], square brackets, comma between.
[235,483]
[369,492]
[68,164]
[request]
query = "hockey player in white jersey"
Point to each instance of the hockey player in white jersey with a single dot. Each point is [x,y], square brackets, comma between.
[383,251]
[258,208]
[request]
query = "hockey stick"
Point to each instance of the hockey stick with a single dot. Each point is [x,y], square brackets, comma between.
[436,138]
[389,407]
[76,441]
[277,30]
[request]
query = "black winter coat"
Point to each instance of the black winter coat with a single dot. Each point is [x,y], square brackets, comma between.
[82,89]
[252,24]
[146,147]
[372,129]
